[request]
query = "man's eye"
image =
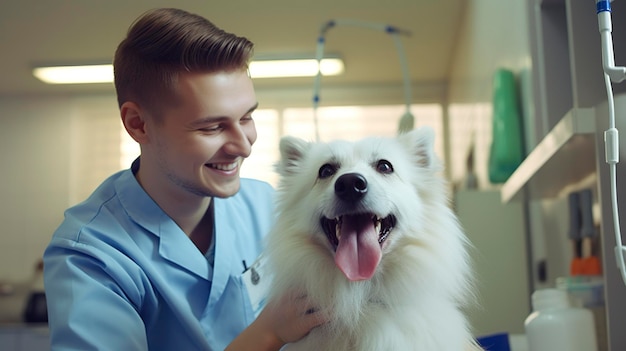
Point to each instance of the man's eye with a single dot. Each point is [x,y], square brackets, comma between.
[210,129]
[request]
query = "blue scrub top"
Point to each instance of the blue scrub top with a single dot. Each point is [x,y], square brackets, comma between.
[121,275]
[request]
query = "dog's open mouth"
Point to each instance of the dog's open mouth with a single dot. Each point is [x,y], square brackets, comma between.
[358,240]
[332,227]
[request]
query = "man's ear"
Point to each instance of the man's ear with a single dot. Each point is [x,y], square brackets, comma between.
[134,121]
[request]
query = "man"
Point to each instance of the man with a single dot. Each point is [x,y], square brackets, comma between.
[153,259]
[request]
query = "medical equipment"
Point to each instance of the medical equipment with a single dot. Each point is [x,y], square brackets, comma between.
[611,136]
[407,119]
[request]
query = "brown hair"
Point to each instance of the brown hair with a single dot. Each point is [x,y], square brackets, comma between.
[161,44]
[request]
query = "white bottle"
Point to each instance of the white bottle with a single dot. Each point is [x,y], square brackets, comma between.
[556,326]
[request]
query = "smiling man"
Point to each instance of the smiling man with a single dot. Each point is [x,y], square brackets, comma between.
[152,260]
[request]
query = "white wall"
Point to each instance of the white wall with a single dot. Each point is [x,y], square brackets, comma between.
[51,150]
[34,153]
[494,35]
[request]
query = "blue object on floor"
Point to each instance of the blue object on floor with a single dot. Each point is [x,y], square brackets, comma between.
[495,342]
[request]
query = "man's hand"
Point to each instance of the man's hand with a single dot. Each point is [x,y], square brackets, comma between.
[284,320]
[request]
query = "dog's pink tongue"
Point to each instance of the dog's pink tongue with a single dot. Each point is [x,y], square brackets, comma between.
[358,252]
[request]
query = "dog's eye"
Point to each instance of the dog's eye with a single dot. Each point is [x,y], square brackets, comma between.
[327,170]
[384,167]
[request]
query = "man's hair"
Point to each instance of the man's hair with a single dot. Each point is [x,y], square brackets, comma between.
[163,43]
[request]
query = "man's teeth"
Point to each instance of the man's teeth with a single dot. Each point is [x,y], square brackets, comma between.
[224,167]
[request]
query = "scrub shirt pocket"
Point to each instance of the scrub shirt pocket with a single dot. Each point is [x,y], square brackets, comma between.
[256,282]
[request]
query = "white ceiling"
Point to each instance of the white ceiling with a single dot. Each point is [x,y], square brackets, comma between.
[87,31]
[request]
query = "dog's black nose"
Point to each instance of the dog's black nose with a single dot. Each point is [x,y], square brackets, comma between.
[351,187]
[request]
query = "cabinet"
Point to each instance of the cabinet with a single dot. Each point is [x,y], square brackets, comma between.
[502,289]
[24,338]
[570,117]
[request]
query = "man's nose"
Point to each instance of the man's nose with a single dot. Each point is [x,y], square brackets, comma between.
[240,142]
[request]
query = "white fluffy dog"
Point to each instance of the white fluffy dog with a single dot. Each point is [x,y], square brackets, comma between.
[364,229]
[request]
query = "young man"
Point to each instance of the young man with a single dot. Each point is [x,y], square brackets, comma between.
[153,259]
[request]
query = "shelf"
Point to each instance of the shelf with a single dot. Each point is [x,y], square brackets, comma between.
[565,157]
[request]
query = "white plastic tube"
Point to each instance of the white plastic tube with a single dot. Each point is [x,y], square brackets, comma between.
[611,136]
[617,74]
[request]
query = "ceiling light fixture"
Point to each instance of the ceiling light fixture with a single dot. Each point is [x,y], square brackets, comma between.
[295,68]
[258,69]
[75,74]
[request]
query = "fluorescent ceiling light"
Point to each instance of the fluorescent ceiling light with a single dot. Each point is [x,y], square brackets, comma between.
[258,69]
[75,74]
[295,68]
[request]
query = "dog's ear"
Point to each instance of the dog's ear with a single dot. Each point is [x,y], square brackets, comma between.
[420,143]
[292,150]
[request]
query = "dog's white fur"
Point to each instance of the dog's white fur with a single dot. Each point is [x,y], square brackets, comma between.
[414,299]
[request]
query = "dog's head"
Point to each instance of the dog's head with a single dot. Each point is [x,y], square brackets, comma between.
[357,198]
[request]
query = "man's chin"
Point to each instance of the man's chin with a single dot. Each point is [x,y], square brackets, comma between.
[226,191]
